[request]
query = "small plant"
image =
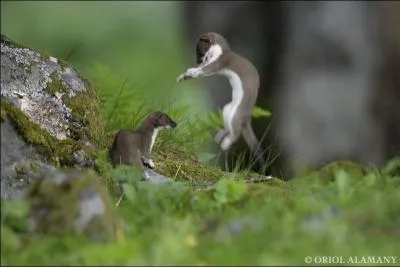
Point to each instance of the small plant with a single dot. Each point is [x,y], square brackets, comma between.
[259,112]
[229,191]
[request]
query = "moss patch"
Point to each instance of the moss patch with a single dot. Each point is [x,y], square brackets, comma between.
[61,201]
[6,40]
[87,130]
[328,172]
[3,113]
[52,149]
[85,108]
[56,85]
[262,190]
[184,166]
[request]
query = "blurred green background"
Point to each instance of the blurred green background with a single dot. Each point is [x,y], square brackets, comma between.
[140,42]
[140,47]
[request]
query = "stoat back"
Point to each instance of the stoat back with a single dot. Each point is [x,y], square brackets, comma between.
[125,147]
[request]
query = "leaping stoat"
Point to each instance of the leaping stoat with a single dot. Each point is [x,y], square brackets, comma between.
[214,56]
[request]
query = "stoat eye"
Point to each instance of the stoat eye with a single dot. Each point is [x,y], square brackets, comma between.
[205,40]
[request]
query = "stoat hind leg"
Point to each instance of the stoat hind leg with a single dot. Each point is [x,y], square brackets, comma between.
[235,129]
[221,135]
[254,145]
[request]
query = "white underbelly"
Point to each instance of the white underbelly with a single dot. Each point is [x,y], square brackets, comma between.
[228,114]
[230,109]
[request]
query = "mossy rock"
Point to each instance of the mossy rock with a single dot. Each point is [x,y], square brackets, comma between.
[72,202]
[50,104]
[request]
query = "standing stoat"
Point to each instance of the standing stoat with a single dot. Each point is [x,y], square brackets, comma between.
[133,147]
[214,56]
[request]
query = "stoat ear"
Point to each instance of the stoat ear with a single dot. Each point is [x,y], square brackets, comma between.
[206,40]
[159,113]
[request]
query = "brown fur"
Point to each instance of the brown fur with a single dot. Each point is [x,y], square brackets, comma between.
[130,146]
[241,123]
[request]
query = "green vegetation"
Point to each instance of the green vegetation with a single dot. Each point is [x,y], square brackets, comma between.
[234,223]
[60,202]
[340,210]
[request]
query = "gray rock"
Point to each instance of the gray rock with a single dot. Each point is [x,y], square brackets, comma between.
[323,222]
[14,153]
[43,116]
[72,202]
[156,177]
[24,79]
[238,227]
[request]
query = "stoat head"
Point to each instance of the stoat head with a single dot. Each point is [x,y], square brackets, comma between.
[161,120]
[210,46]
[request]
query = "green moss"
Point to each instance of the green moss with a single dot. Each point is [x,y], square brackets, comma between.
[3,113]
[63,64]
[85,108]
[56,85]
[61,203]
[356,171]
[184,166]
[30,68]
[52,149]
[7,41]
[257,190]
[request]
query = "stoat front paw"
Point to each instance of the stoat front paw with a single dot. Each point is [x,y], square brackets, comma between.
[181,78]
[148,163]
[193,72]
[151,164]
[190,73]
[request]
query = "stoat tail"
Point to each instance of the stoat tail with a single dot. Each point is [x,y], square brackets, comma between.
[255,148]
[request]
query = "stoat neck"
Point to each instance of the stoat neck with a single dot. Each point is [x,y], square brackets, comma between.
[146,127]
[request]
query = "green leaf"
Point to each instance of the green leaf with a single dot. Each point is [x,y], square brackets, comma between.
[392,166]
[15,208]
[126,174]
[220,198]
[9,240]
[227,190]
[129,191]
[14,214]
[237,190]
[259,112]
[342,182]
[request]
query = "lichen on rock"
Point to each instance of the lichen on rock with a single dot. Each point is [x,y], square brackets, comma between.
[52,106]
